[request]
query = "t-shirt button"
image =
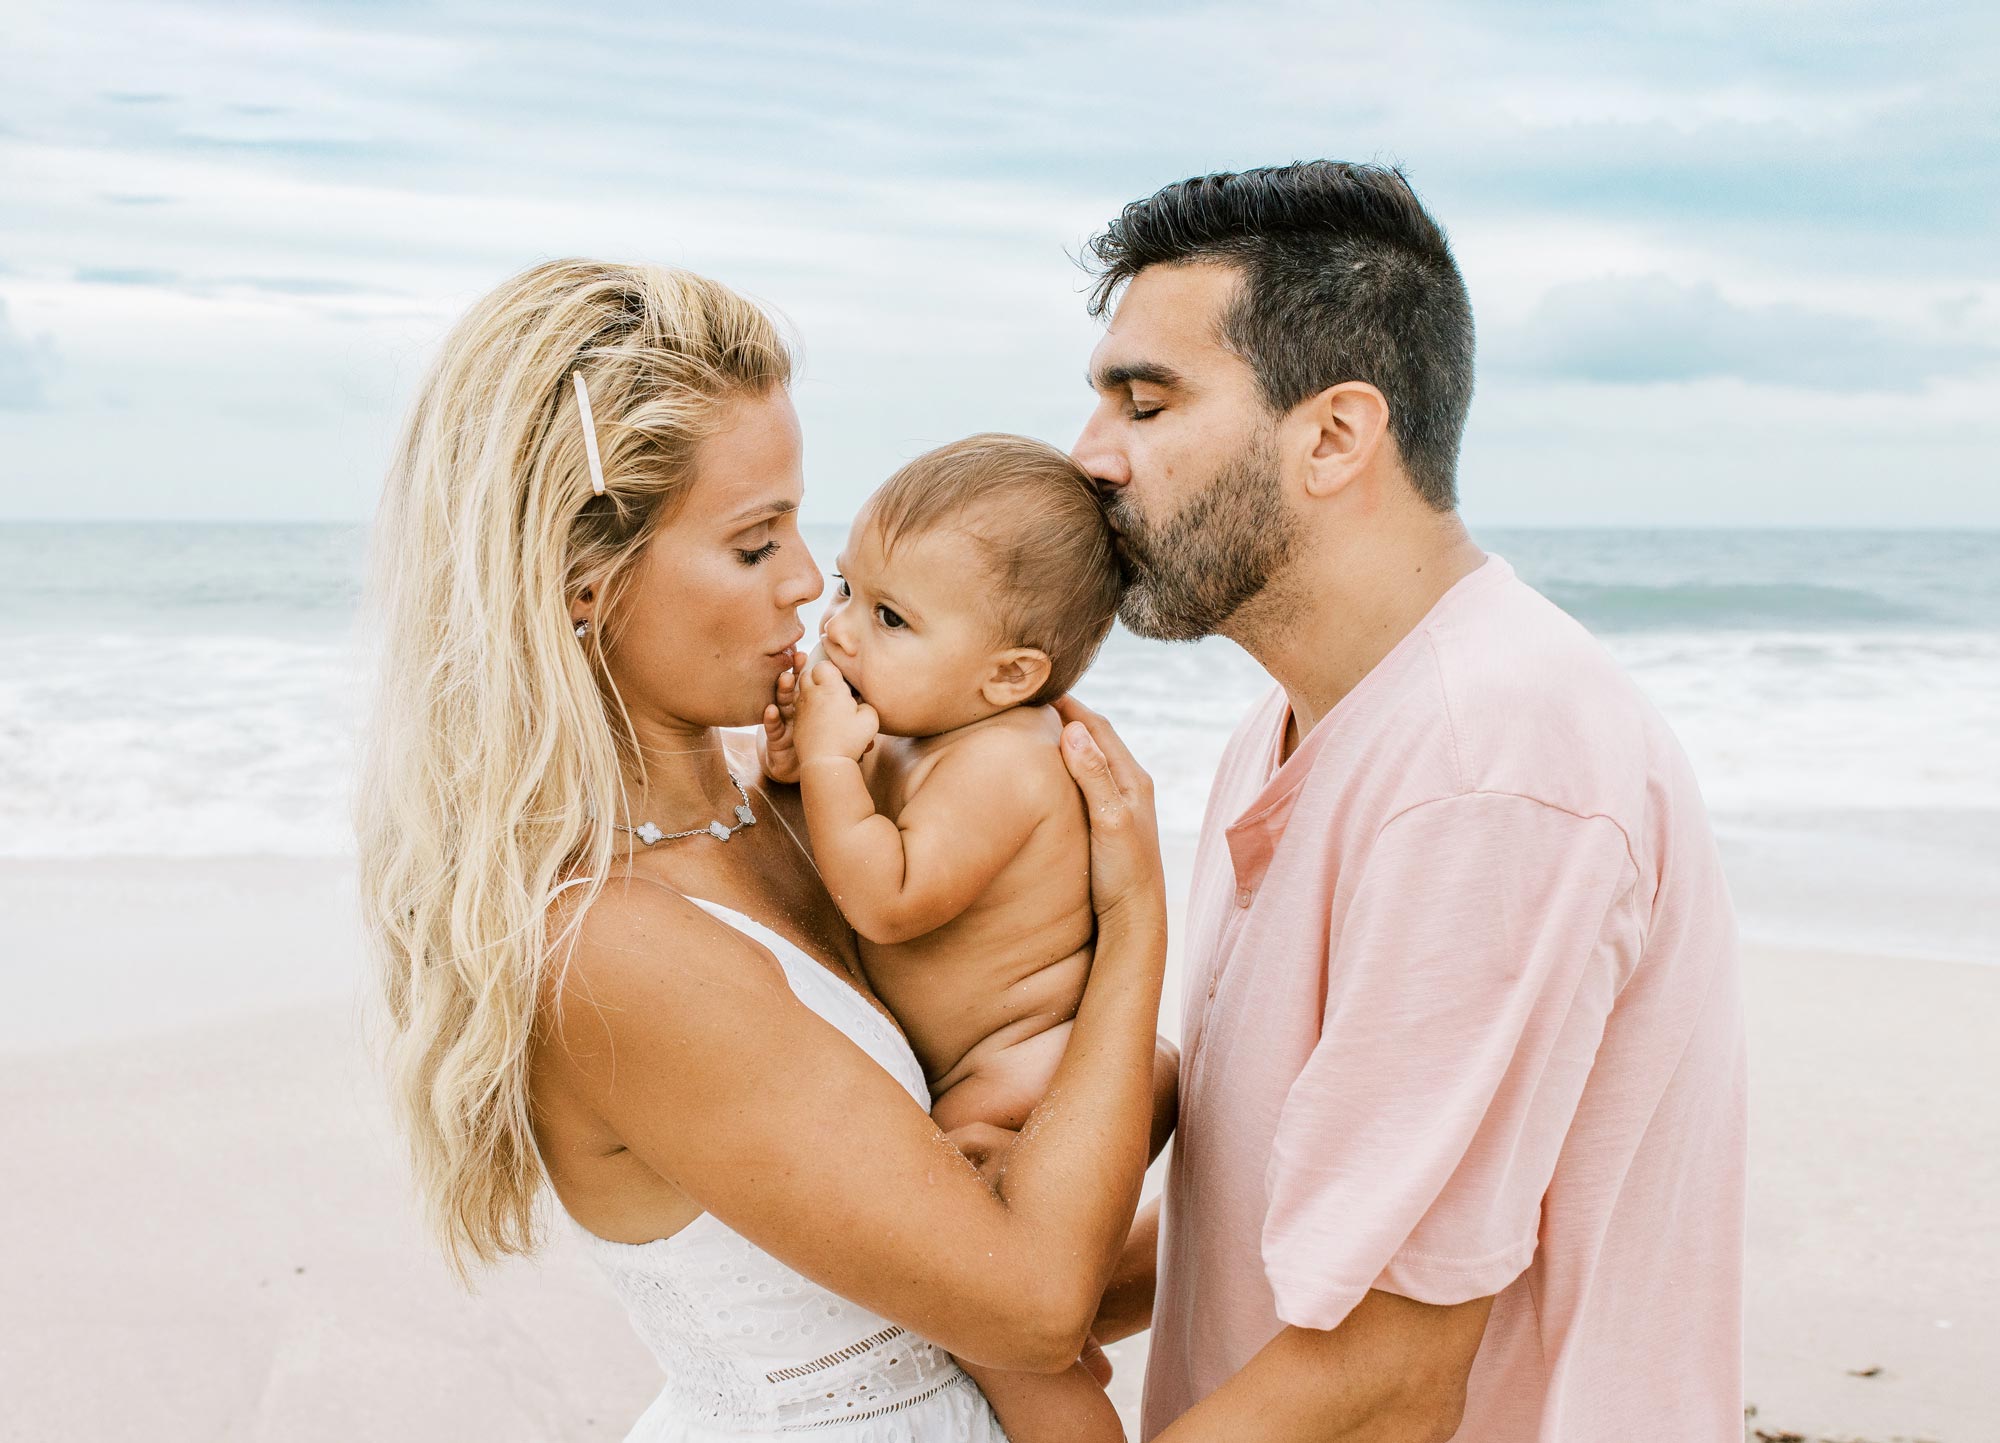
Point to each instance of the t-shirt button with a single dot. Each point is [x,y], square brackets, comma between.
[1243,897]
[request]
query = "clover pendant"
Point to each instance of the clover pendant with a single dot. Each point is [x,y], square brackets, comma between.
[743,816]
[647,833]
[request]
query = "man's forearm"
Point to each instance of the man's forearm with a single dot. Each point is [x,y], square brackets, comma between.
[1127,1306]
[1393,1372]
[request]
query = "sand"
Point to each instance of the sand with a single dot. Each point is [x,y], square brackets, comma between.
[208,1238]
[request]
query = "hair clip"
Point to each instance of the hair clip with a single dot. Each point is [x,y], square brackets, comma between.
[589,434]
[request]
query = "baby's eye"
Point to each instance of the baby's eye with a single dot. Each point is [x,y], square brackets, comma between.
[889,618]
[840,585]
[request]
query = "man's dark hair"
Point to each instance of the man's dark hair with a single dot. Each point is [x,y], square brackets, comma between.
[1347,279]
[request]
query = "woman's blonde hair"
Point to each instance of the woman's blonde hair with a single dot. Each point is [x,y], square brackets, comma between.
[497,738]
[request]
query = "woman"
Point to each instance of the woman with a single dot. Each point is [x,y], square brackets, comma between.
[608,960]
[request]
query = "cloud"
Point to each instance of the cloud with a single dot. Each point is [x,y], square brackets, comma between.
[1804,204]
[1637,330]
[24,366]
[126,276]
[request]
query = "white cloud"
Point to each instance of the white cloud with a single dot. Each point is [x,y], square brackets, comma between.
[1637,329]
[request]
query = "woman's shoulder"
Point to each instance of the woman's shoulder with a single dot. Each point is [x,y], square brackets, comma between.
[635,946]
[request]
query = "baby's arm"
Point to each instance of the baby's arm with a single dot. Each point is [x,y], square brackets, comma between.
[898,880]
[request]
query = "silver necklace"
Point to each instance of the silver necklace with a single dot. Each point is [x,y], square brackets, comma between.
[648,833]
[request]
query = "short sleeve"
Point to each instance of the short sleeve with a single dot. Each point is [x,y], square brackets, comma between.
[1467,991]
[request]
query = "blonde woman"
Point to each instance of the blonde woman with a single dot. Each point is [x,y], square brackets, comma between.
[608,962]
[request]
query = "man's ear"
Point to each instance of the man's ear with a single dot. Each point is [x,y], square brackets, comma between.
[1015,675]
[1347,426]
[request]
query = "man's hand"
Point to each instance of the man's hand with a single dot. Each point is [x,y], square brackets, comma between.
[830,722]
[777,747]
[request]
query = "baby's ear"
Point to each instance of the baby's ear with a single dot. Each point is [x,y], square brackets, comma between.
[1016,675]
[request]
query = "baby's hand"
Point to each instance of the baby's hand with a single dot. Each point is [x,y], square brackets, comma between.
[830,722]
[777,744]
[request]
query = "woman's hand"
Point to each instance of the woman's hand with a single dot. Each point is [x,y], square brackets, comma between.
[1126,877]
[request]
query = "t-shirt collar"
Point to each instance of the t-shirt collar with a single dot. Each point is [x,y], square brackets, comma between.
[1258,826]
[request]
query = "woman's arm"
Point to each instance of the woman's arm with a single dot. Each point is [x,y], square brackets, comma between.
[711,1073]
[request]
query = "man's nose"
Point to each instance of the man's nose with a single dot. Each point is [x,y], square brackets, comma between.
[1102,459]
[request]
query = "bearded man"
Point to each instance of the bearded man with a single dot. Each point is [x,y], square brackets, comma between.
[1461,1143]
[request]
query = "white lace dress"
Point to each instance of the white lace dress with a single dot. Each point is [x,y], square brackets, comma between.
[753,1350]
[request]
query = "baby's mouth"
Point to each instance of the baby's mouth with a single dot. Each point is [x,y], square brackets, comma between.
[819,655]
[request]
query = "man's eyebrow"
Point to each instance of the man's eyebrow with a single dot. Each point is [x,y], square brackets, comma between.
[1146,373]
[762,511]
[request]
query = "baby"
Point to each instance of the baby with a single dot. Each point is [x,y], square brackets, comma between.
[976,586]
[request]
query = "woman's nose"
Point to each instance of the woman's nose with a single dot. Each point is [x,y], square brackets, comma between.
[803,582]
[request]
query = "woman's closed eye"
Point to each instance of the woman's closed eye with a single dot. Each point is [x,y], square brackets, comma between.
[761,553]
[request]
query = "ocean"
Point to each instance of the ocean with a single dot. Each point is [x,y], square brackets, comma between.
[192,691]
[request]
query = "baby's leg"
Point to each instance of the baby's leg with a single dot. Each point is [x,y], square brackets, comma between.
[1001,1087]
[1066,1407]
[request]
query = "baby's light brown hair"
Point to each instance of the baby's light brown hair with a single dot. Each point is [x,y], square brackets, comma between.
[1034,515]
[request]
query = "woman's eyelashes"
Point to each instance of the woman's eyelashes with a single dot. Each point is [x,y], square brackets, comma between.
[761,553]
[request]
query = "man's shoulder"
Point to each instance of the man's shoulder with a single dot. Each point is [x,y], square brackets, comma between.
[1536,706]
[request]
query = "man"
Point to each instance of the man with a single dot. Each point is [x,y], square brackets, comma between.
[1462,1091]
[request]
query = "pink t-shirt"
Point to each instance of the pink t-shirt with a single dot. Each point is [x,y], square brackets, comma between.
[1462,1018]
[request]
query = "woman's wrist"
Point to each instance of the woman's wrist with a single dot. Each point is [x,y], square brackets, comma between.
[1134,924]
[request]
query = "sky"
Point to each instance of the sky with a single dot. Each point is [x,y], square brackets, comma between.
[1731,265]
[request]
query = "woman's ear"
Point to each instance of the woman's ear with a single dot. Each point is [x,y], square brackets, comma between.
[583,606]
[1015,675]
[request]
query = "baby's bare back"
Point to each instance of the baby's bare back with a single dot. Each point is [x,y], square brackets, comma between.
[986,999]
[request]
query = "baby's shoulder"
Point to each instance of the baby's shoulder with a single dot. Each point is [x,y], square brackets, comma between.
[1021,747]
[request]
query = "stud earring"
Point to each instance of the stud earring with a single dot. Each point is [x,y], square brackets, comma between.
[582,629]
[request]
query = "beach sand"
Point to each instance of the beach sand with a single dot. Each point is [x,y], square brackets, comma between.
[208,1236]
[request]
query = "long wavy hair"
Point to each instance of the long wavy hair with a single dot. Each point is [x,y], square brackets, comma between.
[498,742]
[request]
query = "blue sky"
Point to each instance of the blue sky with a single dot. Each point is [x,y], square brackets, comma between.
[1731,265]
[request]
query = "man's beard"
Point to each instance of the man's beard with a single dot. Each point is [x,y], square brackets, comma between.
[1186,577]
